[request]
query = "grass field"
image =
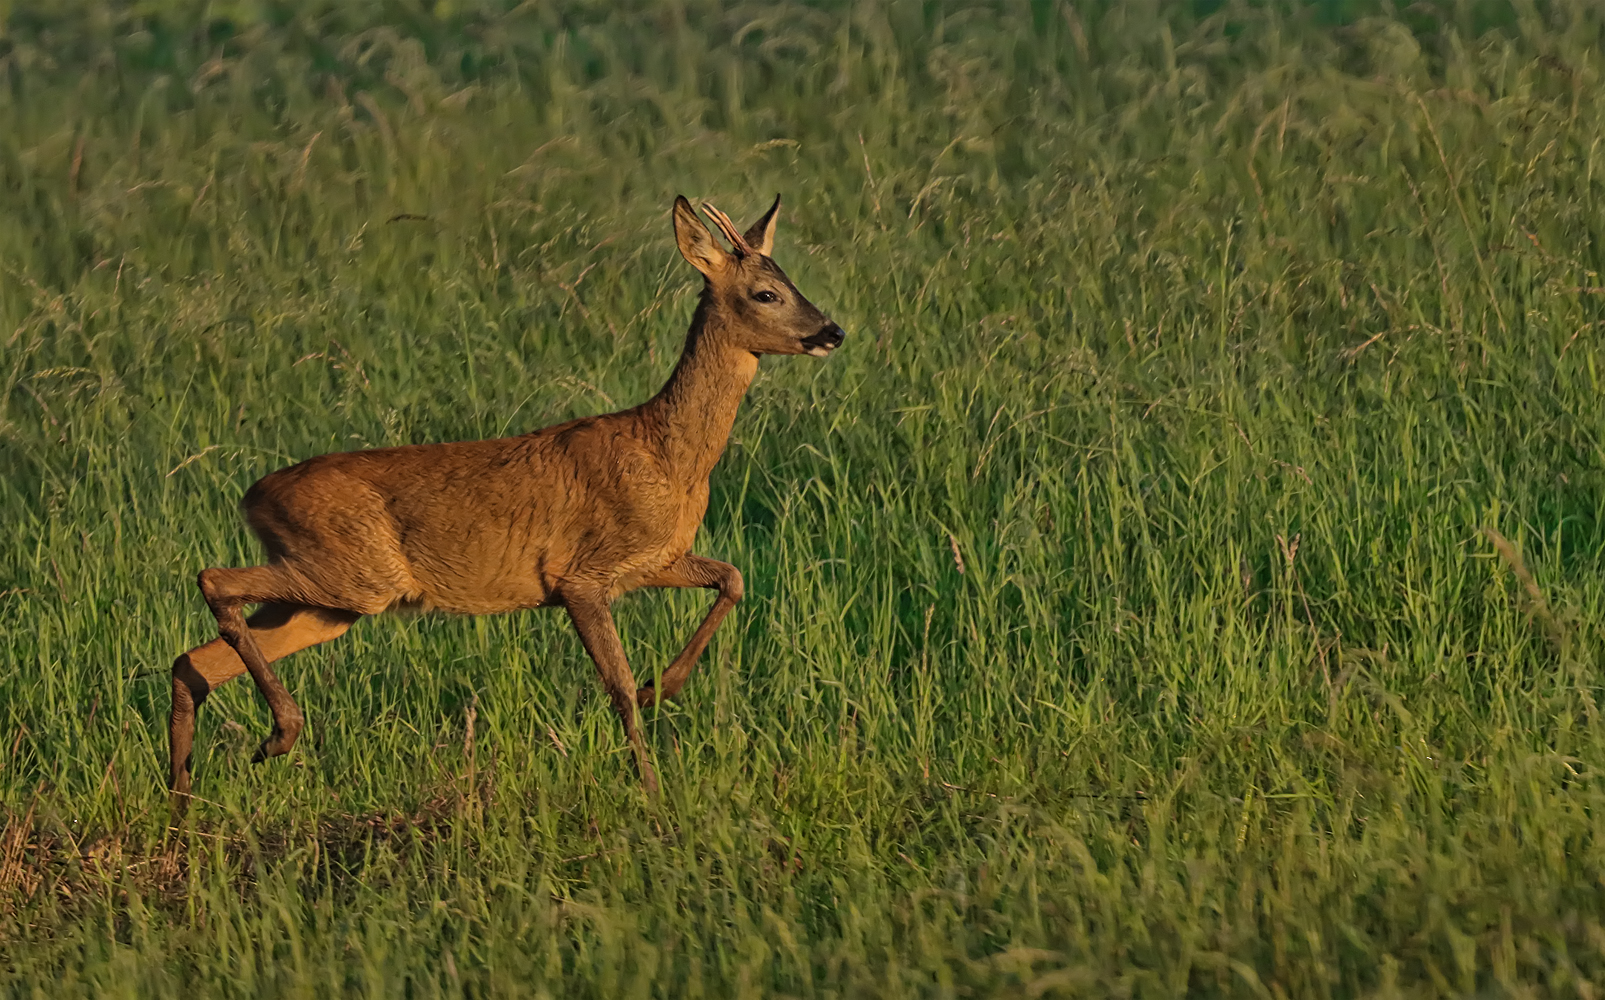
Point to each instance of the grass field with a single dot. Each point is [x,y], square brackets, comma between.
[1186,579]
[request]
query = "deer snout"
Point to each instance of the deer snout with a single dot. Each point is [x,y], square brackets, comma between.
[822,343]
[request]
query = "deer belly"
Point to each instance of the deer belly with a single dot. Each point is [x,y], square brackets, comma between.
[477,574]
[507,597]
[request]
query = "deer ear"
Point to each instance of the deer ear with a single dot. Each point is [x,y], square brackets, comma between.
[697,245]
[762,234]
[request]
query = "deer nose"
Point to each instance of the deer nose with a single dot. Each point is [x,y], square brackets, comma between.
[827,339]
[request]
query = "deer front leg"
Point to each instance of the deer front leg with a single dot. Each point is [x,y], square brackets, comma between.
[594,622]
[693,571]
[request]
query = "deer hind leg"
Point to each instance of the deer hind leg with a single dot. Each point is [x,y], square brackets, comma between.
[226,590]
[693,571]
[279,630]
[594,622]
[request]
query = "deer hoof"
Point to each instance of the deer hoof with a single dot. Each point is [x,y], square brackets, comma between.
[278,743]
[649,781]
[646,696]
[177,807]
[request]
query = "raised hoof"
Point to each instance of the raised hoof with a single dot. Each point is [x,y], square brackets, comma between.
[278,743]
[646,696]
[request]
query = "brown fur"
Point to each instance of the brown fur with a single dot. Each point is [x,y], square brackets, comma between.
[573,515]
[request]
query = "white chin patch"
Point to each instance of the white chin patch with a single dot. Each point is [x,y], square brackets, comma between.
[818,352]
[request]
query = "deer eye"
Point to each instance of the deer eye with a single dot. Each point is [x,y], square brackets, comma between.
[766,296]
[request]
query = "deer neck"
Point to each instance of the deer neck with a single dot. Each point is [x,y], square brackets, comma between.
[696,408]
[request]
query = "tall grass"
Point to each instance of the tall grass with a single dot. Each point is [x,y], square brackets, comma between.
[1185,580]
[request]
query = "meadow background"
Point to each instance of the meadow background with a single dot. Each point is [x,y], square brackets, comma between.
[1186,579]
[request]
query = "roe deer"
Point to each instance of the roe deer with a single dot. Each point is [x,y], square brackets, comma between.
[572,515]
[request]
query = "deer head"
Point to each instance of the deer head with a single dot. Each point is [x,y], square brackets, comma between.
[760,309]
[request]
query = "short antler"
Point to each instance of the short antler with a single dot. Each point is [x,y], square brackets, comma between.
[738,242]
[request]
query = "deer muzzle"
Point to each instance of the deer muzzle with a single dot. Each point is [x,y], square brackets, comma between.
[822,343]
